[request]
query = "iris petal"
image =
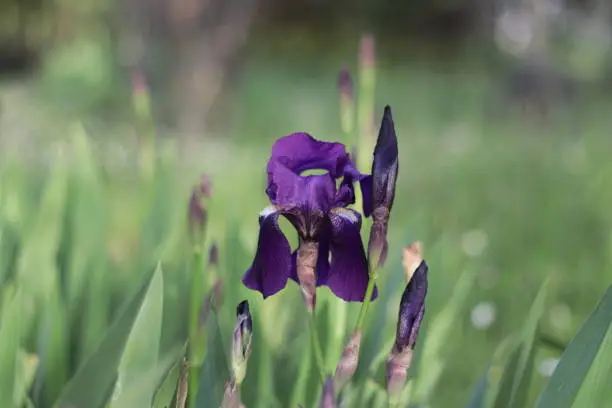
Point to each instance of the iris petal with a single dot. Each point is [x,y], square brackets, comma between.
[348,275]
[272,263]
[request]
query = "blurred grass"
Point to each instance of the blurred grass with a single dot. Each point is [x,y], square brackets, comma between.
[79,238]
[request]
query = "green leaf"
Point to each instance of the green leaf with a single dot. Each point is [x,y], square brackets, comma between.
[167,390]
[26,371]
[582,376]
[526,356]
[215,370]
[489,386]
[53,350]
[141,351]
[139,392]
[10,337]
[94,379]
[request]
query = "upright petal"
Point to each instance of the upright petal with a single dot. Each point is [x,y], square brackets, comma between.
[272,264]
[348,275]
[385,164]
[300,152]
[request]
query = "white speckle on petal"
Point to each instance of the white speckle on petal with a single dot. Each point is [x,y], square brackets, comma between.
[271,209]
[483,315]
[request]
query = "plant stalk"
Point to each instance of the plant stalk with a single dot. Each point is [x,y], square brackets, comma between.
[316,345]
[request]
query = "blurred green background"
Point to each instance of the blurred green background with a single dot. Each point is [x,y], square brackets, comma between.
[503,117]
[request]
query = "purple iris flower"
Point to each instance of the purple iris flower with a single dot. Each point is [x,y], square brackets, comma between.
[315,205]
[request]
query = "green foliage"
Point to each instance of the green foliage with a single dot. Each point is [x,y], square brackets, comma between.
[99,309]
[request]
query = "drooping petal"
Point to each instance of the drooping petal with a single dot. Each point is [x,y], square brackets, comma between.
[367,192]
[385,164]
[412,308]
[346,190]
[272,263]
[348,274]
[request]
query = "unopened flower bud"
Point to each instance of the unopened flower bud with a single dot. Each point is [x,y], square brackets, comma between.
[213,255]
[328,399]
[367,51]
[384,177]
[241,343]
[411,312]
[197,210]
[349,361]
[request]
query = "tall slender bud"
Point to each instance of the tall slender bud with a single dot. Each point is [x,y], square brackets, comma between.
[348,362]
[347,101]
[411,312]
[213,255]
[241,342]
[307,256]
[197,212]
[384,177]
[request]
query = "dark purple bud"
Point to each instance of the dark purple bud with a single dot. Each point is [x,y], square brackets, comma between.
[241,343]
[328,399]
[349,361]
[385,164]
[367,51]
[213,255]
[412,309]
[384,177]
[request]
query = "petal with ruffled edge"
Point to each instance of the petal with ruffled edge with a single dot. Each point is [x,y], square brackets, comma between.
[348,275]
[272,264]
[300,152]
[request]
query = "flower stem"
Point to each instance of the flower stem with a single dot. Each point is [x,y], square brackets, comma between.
[368,298]
[314,333]
[196,340]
